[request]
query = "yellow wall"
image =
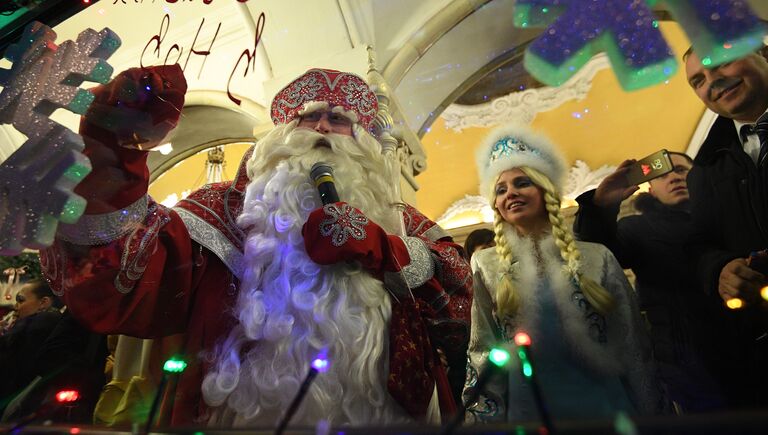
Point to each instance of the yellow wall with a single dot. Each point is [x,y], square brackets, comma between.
[189,174]
[614,125]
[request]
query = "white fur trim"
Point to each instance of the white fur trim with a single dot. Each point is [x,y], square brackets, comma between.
[314,106]
[351,115]
[608,358]
[526,270]
[550,162]
[626,352]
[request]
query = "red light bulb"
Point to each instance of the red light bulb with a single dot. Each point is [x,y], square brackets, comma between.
[67,396]
[522,339]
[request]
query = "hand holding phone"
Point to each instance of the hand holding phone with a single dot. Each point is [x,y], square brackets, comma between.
[650,167]
[614,188]
[758,261]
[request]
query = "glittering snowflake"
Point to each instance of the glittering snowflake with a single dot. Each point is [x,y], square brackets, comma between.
[342,223]
[37,181]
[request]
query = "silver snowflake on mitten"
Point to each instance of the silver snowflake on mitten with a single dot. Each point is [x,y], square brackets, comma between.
[343,222]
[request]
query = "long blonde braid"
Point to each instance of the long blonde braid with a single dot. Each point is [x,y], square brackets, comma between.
[598,297]
[507,302]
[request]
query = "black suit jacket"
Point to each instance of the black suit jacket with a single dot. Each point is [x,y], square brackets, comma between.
[730,212]
[728,198]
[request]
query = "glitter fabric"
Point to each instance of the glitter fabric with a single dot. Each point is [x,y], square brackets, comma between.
[509,146]
[720,30]
[338,89]
[625,29]
[37,181]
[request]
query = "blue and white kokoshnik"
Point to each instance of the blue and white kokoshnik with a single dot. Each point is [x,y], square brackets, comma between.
[514,146]
[509,146]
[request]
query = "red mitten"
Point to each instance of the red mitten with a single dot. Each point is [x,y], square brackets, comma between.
[133,112]
[139,106]
[339,232]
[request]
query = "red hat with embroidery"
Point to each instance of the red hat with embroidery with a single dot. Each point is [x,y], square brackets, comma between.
[338,91]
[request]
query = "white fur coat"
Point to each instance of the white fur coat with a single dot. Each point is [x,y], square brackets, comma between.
[615,345]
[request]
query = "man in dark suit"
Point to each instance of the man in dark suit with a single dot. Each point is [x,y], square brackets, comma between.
[729,192]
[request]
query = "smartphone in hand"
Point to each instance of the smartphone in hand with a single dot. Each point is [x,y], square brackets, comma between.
[650,167]
[758,261]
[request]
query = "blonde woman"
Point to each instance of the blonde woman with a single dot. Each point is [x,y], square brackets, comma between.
[591,354]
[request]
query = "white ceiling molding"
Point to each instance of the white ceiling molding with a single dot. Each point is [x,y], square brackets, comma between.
[355,18]
[432,78]
[219,99]
[525,105]
[422,39]
[470,203]
[705,123]
[580,179]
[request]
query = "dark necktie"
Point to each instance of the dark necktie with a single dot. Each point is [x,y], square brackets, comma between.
[761,130]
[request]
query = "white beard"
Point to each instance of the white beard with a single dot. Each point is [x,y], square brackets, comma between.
[290,309]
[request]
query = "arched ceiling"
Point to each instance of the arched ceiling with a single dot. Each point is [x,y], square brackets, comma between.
[431,53]
[426,49]
[593,121]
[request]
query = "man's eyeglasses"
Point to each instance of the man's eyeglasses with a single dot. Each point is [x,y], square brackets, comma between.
[333,118]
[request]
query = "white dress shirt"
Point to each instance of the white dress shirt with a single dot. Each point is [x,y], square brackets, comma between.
[752,143]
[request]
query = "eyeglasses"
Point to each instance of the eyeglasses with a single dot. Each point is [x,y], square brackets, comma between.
[333,118]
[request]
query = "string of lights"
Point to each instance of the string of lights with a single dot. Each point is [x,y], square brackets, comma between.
[9,7]
[15,15]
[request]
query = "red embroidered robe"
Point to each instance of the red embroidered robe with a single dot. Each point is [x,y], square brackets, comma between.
[148,271]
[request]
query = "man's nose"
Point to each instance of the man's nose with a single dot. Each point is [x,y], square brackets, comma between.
[323,125]
[676,177]
[715,81]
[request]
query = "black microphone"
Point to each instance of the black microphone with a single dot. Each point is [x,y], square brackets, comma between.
[322,176]
[303,388]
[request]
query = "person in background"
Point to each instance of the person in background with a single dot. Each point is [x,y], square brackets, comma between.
[592,355]
[49,351]
[478,240]
[687,326]
[36,297]
[37,311]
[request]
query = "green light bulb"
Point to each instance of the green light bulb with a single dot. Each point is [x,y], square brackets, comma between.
[499,357]
[527,369]
[174,365]
[525,363]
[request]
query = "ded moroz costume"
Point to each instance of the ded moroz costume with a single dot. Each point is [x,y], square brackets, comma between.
[256,275]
